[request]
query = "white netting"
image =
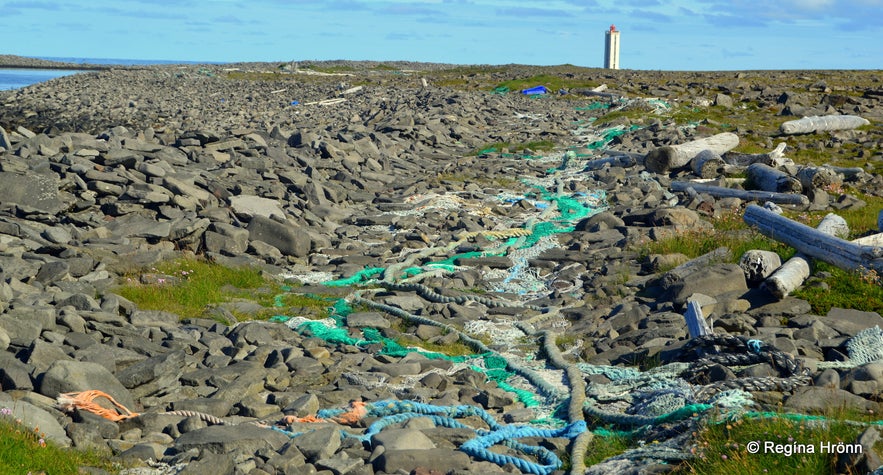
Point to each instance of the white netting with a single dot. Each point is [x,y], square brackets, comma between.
[866,346]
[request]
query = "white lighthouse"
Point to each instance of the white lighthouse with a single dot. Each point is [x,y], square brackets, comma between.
[611,48]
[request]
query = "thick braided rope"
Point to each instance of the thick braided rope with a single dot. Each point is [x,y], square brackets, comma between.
[501,234]
[745,351]
[477,447]
[577,383]
[433,296]
[208,418]
[535,379]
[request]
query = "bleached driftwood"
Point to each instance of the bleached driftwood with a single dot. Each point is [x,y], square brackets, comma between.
[696,324]
[758,265]
[707,164]
[677,274]
[822,123]
[818,177]
[671,157]
[774,157]
[746,195]
[767,178]
[849,173]
[827,248]
[624,161]
[796,270]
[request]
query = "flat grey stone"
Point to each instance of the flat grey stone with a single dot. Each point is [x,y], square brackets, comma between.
[444,460]
[367,319]
[249,206]
[402,439]
[816,400]
[283,236]
[20,330]
[31,192]
[319,444]
[222,439]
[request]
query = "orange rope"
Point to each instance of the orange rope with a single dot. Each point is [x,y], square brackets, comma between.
[358,411]
[84,401]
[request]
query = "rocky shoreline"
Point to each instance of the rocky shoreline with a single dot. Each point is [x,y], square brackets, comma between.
[8,61]
[382,178]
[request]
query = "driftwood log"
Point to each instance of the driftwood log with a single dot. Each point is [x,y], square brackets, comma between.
[849,173]
[774,157]
[672,157]
[767,178]
[818,178]
[746,195]
[758,265]
[827,248]
[816,123]
[796,270]
[707,164]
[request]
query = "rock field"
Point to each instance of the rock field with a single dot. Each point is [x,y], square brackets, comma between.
[441,212]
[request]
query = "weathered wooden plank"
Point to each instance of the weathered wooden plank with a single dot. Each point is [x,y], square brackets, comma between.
[672,157]
[747,195]
[696,324]
[830,249]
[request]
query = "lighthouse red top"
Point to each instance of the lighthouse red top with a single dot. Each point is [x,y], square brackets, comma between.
[612,28]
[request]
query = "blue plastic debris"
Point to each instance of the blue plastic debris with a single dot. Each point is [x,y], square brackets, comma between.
[535,90]
[294,103]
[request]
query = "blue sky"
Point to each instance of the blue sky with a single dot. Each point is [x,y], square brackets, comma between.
[656,34]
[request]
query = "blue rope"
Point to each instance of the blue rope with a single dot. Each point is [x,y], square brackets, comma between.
[392,412]
[754,345]
[477,447]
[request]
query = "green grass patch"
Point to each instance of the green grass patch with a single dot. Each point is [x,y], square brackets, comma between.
[722,446]
[727,231]
[27,451]
[843,289]
[190,287]
[862,221]
[605,445]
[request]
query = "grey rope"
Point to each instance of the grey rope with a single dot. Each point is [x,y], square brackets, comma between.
[577,382]
[433,296]
[733,350]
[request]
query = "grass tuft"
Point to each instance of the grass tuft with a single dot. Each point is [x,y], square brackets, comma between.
[190,288]
[23,450]
[722,446]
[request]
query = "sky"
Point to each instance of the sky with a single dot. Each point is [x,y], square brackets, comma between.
[697,35]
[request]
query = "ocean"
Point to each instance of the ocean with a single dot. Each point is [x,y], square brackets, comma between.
[18,78]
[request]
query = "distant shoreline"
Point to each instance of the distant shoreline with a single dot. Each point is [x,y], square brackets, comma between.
[8,61]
